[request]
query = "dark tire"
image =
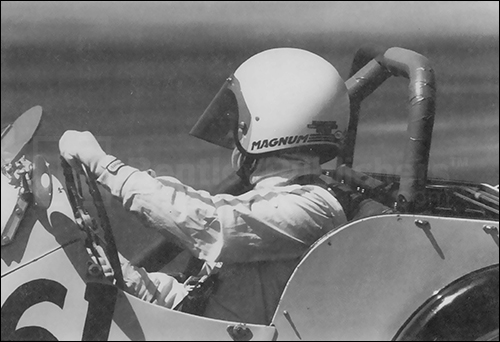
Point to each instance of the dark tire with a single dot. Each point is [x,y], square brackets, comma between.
[465,310]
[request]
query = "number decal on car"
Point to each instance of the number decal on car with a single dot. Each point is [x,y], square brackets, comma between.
[24,297]
[101,299]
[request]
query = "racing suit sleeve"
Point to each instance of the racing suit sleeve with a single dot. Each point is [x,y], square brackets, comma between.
[270,224]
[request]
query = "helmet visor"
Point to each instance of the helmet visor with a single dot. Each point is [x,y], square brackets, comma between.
[220,121]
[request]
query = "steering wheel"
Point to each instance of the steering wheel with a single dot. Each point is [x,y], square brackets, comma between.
[86,222]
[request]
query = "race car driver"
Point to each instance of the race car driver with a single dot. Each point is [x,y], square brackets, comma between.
[284,112]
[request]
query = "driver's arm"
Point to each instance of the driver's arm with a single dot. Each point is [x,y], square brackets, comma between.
[275,224]
[257,226]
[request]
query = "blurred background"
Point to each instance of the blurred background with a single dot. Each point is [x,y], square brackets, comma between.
[138,74]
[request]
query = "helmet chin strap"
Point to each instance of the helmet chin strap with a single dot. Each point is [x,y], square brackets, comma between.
[242,162]
[247,167]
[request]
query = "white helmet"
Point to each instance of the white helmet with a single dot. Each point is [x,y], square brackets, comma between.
[277,100]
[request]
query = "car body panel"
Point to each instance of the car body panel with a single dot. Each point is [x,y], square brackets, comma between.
[56,295]
[363,281]
[41,232]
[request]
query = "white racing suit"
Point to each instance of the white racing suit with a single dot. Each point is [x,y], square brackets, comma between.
[258,236]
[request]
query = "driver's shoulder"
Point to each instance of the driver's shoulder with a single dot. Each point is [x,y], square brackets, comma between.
[319,195]
[310,197]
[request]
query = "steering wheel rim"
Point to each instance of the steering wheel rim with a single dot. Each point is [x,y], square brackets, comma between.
[87,222]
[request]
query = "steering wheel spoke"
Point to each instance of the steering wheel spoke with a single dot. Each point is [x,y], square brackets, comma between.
[86,222]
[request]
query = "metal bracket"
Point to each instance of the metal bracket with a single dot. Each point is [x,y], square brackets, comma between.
[426,227]
[493,231]
[240,332]
[12,226]
[290,321]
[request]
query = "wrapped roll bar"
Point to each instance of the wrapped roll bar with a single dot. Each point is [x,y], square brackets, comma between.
[372,66]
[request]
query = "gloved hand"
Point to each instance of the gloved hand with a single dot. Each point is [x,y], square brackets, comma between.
[81,146]
[133,277]
[158,288]
[103,261]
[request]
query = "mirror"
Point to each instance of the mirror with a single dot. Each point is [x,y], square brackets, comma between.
[42,186]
